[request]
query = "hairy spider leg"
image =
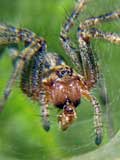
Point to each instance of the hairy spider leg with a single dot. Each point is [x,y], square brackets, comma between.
[97,120]
[95,33]
[33,47]
[64,34]
[7,36]
[93,21]
[31,84]
[87,32]
[12,35]
[44,109]
[14,53]
[76,54]
[91,76]
[97,116]
[90,66]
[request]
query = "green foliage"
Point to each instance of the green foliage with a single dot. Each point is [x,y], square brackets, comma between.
[21,134]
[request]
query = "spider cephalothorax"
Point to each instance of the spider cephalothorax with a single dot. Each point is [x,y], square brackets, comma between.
[46,78]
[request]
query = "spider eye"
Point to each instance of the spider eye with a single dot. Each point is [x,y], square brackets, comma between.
[63,72]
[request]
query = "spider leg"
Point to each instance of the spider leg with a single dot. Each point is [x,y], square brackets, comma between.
[10,84]
[15,74]
[97,120]
[14,53]
[88,60]
[84,36]
[114,38]
[12,35]
[44,109]
[64,34]
[95,33]
[97,116]
[90,66]
[90,22]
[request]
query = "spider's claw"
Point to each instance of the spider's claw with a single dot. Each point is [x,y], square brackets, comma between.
[98,139]
[46,125]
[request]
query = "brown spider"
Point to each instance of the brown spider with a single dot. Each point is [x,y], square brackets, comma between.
[47,79]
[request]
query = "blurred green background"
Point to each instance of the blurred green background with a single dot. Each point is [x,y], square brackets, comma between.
[21,134]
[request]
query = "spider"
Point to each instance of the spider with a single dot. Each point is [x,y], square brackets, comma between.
[47,79]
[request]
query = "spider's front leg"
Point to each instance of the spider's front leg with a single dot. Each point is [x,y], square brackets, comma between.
[67,43]
[97,116]
[97,120]
[44,110]
[90,68]
[11,35]
[91,75]
[85,33]
[88,61]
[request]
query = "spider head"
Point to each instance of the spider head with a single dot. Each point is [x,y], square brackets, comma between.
[67,117]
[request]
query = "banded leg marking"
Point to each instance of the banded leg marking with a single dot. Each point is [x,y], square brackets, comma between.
[44,110]
[93,21]
[97,117]
[12,35]
[65,40]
